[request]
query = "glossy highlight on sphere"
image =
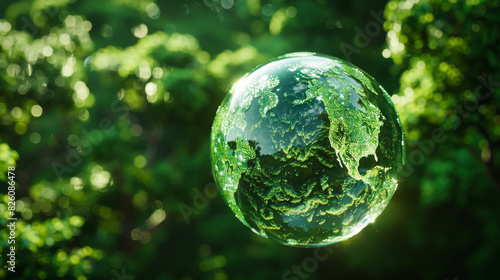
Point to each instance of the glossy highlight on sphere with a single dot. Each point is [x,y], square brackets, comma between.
[306,149]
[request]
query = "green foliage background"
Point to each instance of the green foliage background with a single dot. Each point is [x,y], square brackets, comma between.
[106,109]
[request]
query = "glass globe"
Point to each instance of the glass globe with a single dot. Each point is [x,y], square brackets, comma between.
[306,149]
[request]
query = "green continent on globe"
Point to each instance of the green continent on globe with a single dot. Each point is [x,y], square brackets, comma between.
[306,149]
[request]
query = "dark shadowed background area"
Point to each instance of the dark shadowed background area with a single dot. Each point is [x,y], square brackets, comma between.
[106,109]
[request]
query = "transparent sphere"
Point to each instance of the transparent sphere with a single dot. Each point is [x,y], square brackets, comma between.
[306,149]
